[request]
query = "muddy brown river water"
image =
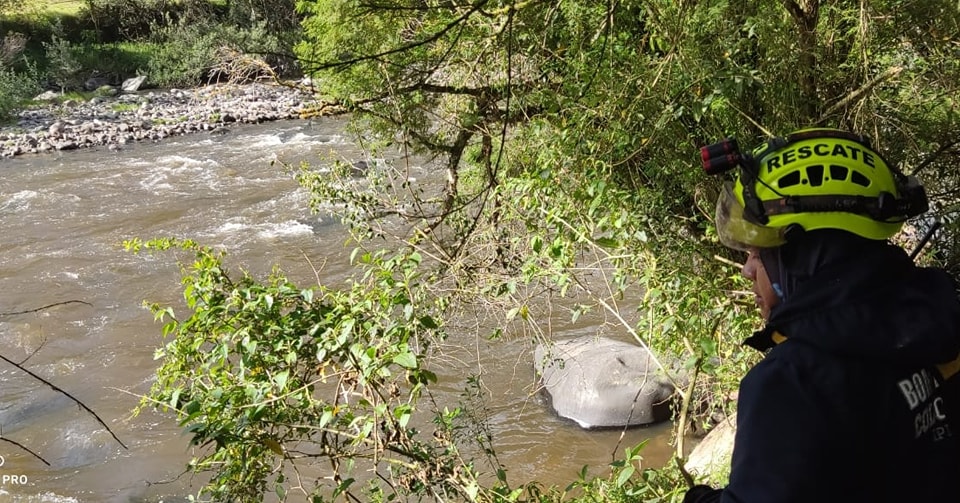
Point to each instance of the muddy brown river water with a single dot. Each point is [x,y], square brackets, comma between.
[62,218]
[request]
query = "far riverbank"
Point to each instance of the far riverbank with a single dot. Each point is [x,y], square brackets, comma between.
[150,115]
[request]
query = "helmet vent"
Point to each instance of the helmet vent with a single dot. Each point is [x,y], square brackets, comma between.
[858,178]
[789,180]
[838,173]
[815,175]
[818,174]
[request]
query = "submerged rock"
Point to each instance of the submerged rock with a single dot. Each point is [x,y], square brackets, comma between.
[603,383]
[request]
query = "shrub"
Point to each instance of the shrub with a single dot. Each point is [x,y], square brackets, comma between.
[191,54]
[117,61]
[63,63]
[115,20]
[12,47]
[16,88]
[268,377]
[10,5]
[182,55]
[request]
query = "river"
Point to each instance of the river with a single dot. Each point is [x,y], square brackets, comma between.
[62,219]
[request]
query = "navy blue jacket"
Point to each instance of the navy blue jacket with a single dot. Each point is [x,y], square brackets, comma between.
[861,400]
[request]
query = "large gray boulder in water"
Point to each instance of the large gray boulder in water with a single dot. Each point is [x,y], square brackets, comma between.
[603,383]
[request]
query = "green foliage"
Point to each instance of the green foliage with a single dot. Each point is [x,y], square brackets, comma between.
[126,20]
[175,43]
[19,79]
[268,376]
[116,20]
[16,89]
[12,47]
[63,63]
[11,5]
[277,15]
[182,56]
[117,61]
[39,22]
[67,64]
[627,482]
[186,53]
[577,125]
[124,107]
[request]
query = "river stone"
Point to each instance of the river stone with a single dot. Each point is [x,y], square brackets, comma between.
[56,129]
[713,453]
[106,90]
[160,115]
[603,383]
[47,96]
[133,84]
[94,83]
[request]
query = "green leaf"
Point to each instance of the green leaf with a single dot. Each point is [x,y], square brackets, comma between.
[325,417]
[472,490]
[174,398]
[342,487]
[281,379]
[536,243]
[607,242]
[625,475]
[274,446]
[404,419]
[406,360]
[428,323]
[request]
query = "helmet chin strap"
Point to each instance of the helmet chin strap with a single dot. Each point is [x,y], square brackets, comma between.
[777,290]
[770,257]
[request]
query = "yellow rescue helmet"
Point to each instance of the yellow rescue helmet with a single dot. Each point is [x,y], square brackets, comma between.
[812,179]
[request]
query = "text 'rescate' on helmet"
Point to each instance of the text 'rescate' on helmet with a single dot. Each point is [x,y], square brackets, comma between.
[812,179]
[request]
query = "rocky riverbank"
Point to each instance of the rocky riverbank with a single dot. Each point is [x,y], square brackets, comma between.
[114,121]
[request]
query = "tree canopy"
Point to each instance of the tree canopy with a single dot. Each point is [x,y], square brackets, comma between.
[627,91]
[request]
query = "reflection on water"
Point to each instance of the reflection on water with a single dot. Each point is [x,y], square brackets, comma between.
[62,217]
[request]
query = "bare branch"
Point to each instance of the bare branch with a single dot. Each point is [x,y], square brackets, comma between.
[68,395]
[46,307]
[35,351]
[18,444]
[932,157]
[890,73]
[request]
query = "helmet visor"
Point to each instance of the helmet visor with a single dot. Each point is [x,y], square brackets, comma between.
[735,231]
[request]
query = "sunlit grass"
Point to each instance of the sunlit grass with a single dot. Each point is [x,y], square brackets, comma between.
[62,7]
[68,7]
[50,7]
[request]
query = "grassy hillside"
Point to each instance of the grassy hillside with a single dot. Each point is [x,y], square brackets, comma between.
[56,7]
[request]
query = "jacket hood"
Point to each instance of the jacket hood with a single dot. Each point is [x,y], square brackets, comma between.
[864,298]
